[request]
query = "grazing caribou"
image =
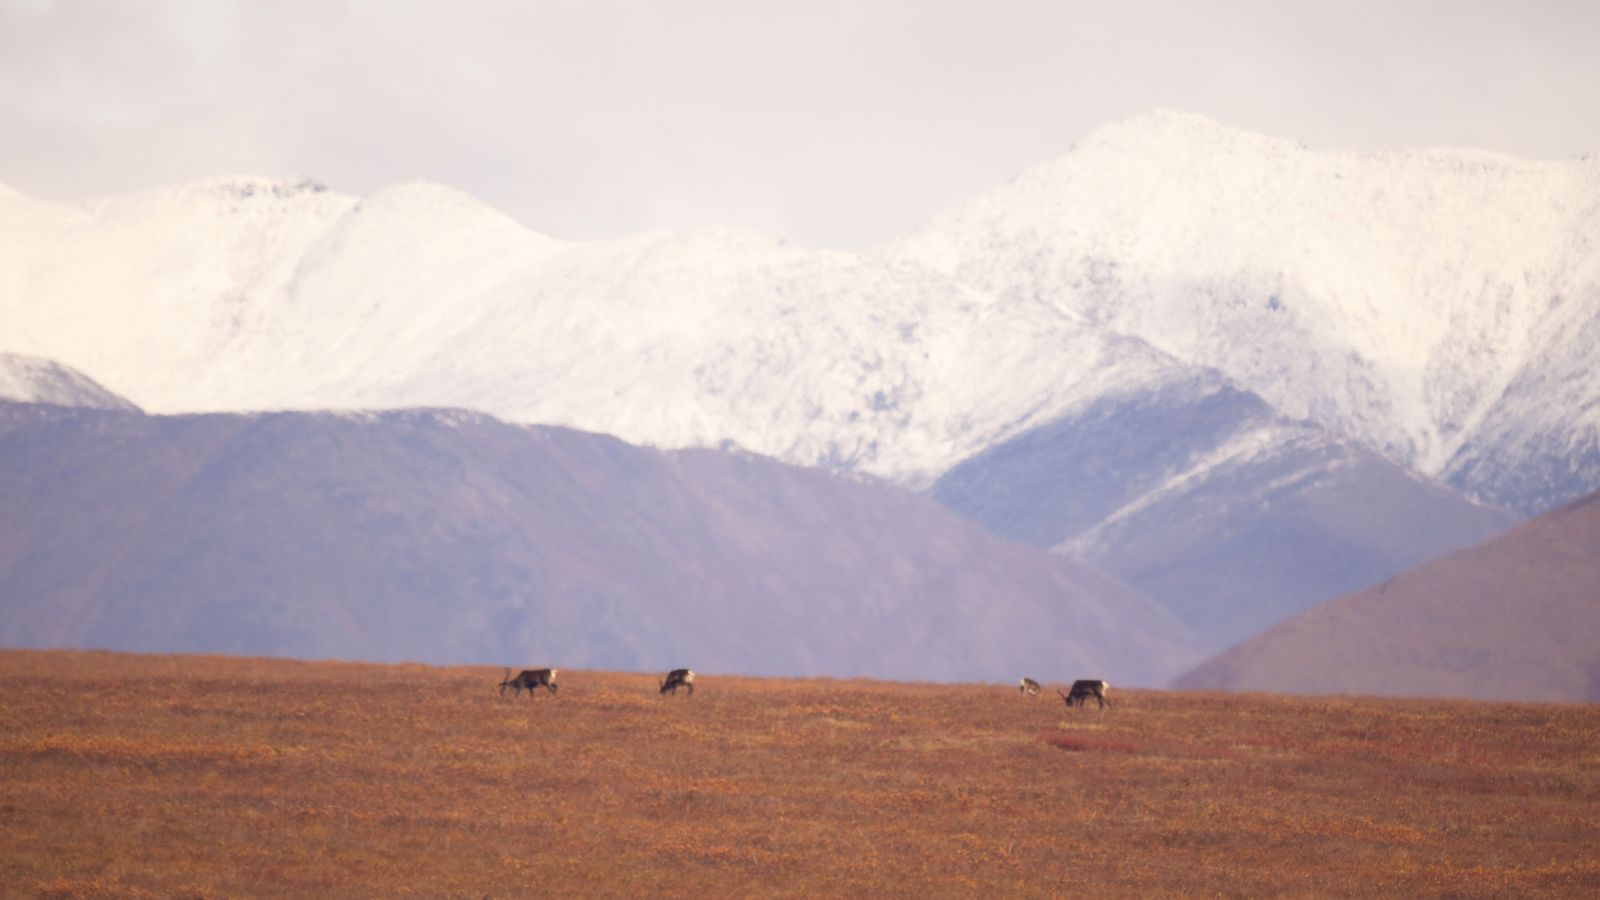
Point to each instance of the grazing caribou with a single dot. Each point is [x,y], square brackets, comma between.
[1029,687]
[1083,689]
[527,680]
[678,678]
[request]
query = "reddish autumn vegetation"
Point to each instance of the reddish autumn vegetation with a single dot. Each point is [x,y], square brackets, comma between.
[1075,742]
[212,777]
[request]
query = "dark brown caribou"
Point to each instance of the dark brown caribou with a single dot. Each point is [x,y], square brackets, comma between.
[678,678]
[1083,689]
[527,680]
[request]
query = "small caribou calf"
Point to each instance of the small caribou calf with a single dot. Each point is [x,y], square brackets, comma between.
[678,678]
[1083,689]
[1029,687]
[529,679]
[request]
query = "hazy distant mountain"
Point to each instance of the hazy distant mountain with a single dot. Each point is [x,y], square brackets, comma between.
[447,536]
[1517,617]
[1439,306]
[29,379]
[1202,497]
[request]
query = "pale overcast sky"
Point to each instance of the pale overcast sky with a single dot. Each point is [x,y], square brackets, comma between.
[826,123]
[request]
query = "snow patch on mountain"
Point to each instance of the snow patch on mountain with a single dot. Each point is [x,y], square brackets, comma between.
[29,379]
[1243,448]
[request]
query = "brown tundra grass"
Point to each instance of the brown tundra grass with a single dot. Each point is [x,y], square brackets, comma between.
[168,776]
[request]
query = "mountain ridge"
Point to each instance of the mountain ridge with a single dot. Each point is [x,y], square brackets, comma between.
[1215,248]
[667,339]
[1235,251]
[440,535]
[1203,497]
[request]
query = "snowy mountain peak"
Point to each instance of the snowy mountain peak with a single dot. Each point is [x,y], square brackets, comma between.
[430,198]
[246,187]
[1394,297]
[419,294]
[225,192]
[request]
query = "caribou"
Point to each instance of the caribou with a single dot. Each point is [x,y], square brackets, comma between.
[527,680]
[1029,687]
[1083,689]
[678,678]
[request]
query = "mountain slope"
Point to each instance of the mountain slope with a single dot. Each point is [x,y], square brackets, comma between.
[1405,299]
[1532,447]
[1202,497]
[29,379]
[1517,617]
[446,536]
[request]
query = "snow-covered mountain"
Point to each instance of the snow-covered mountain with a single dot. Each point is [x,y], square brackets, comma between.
[29,379]
[254,294]
[1439,306]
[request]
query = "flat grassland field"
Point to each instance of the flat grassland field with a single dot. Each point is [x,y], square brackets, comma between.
[209,776]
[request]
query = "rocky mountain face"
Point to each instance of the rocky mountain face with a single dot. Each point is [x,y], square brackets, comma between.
[1515,618]
[446,536]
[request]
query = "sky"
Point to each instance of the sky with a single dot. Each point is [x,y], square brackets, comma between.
[837,124]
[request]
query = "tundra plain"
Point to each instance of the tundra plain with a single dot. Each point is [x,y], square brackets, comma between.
[130,775]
